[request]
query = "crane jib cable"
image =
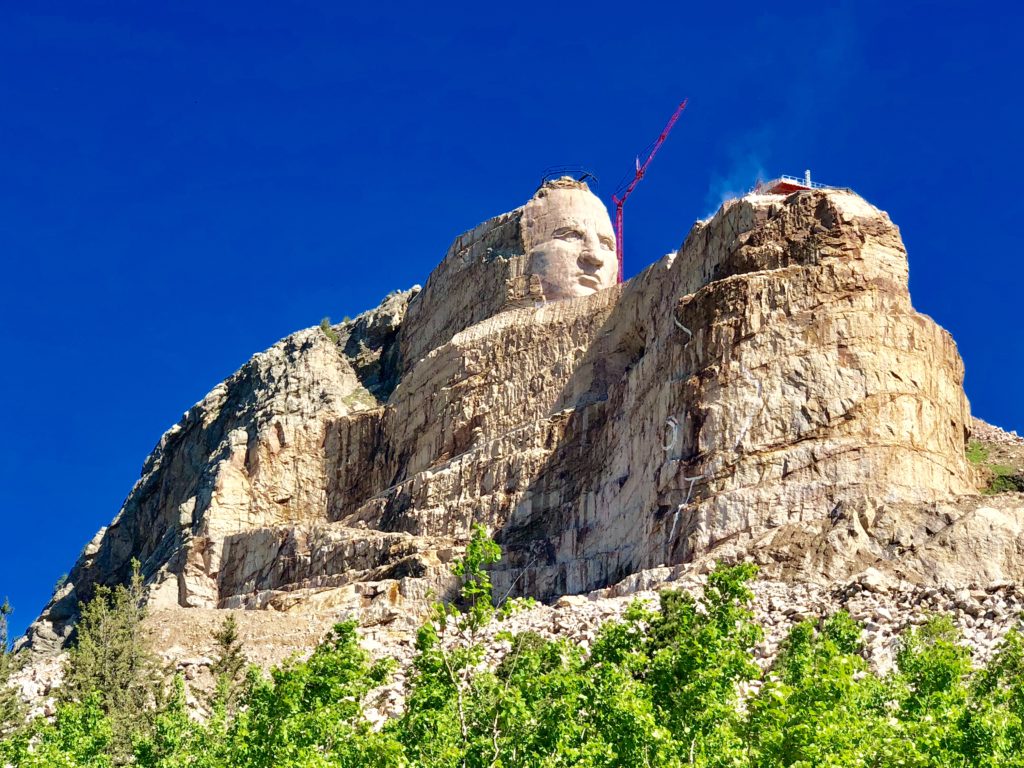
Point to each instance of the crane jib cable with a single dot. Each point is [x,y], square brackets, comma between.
[626,189]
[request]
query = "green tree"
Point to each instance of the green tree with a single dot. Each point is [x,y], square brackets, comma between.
[12,711]
[446,694]
[476,582]
[309,713]
[111,663]
[80,736]
[820,706]
[229,667]
[460,713]
[931,689]
[993,723]
[178,741]
[618,725]
[658,688]
[699,653]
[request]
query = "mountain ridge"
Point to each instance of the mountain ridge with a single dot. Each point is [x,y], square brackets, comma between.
[766,392]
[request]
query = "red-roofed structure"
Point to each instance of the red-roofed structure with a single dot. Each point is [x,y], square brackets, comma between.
[785,185]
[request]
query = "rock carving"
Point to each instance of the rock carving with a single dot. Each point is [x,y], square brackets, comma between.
[341,476]
[569,240]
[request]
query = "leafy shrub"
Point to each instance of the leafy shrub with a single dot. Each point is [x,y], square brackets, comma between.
[329,332]
[1004,480]
[659,688]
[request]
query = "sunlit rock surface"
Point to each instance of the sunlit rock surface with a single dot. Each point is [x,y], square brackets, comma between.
[766,392]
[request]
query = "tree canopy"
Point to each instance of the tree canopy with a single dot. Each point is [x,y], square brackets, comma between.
[660,688]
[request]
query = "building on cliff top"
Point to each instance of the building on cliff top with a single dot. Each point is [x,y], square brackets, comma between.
[785,185]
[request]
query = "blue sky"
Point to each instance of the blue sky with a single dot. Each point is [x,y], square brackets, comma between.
[185,183]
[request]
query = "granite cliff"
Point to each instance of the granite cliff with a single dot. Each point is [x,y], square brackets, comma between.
[767,392]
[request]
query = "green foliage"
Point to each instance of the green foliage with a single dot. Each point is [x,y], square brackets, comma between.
[11,709]
[976,452]
[310,713]
[1002,478]
[177,741]
[229,667]
[698,654]
[476,581]
[329,332]
[819,707]
[513,606]
[450,702]
[80,736]
[110,663]
[661,688]
[658,688]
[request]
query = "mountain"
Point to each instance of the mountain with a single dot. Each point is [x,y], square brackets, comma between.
[767,392]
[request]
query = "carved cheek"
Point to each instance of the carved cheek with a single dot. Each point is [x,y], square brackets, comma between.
[546,263]
[565,255]
[540,259]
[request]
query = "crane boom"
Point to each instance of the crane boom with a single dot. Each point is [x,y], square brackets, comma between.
[624,191]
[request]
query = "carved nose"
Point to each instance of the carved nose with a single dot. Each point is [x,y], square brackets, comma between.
[589,258]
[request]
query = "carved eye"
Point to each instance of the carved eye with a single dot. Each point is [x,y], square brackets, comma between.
[567,233]
[608,243]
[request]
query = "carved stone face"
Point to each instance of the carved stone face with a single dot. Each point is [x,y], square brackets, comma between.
[569,240]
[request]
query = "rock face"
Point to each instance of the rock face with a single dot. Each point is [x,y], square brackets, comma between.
[244,470]
[768,391]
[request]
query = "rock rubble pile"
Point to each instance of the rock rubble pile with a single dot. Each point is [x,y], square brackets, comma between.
[987,433]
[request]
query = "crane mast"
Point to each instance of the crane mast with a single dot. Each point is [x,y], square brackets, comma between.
[626,188]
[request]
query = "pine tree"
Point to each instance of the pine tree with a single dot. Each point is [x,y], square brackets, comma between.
[111,661]
[230,666]
[11,708]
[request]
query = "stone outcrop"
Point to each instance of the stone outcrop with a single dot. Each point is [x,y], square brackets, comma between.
[244,466]
[771,371]
[768,392]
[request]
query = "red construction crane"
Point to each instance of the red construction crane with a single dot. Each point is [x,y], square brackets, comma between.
[626,188]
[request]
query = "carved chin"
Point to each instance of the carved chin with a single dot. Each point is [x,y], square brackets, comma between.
[565,291]
[583,286]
